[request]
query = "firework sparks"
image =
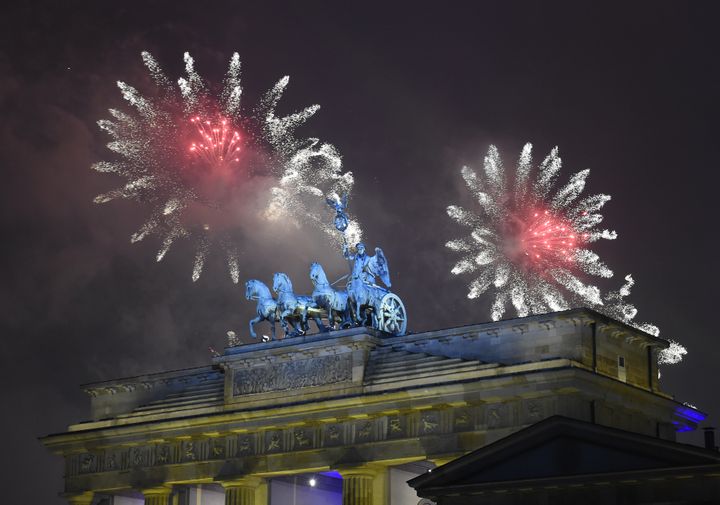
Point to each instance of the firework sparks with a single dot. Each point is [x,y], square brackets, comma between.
[530,243]
[672,355]
[217,144]
[191,156]
[298,190]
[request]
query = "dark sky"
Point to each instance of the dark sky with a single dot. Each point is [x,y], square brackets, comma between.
[408,94]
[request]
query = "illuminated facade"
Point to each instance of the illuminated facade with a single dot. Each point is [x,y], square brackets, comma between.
[348,417]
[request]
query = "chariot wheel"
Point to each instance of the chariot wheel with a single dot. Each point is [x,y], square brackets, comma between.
[391,315]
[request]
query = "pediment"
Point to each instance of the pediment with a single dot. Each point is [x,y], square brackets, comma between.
[560,446]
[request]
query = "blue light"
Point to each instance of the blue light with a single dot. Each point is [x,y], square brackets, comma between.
[690,414]
[681,428]
[333,473]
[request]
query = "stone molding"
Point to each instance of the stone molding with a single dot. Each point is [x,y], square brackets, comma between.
[84,498]
[247,481]
[147,383]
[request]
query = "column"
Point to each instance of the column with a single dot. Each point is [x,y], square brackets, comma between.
[84,498]
[245,491]
[364,485]
[157,495]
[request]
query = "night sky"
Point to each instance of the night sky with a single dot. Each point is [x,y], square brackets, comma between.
[409,94]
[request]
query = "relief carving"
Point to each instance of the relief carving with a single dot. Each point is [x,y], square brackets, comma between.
[301,440]
[273,443]
[429,423]
[137,457]
[189,451]
[365,431]
[394,426]
[110,462]
[333,435]
[497,416]
[245,445]
[293,375]
[218,448]
[162,454]
[534,410]
[462,419]
[88,463]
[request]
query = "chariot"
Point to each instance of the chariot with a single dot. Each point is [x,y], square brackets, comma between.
[358,305]
[362,303]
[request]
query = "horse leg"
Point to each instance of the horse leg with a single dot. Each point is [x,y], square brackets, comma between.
[304,320]
[284,322]
[300,328]
[320,325]
[339,319]
[296,325]
[253,322]
[351,313]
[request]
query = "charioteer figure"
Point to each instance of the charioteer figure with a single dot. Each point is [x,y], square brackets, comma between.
[366,268]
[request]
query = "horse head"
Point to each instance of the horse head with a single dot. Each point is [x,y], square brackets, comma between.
[255,288]
[282,283]
[250,289]
[317,275]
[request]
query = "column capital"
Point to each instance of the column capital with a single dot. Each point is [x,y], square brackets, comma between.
[159,495]
[363,484]
[246,490]
[84,498]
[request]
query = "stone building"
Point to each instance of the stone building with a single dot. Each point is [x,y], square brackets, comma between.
[348,417]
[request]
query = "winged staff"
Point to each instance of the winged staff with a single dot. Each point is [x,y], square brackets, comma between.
[363,302]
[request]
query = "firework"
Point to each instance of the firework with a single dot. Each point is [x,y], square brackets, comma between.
[194,157]
[672,355]
[217,145]
[298,196]
[530,242]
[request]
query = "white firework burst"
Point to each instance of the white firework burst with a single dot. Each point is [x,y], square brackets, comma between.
[528,242]
[616,306]
[193,157]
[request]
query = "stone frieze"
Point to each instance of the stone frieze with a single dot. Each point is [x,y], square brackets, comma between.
[432,422]
[296,374]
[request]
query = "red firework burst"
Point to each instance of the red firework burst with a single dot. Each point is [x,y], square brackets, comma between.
[218,144]
[541,240]
[199,161]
